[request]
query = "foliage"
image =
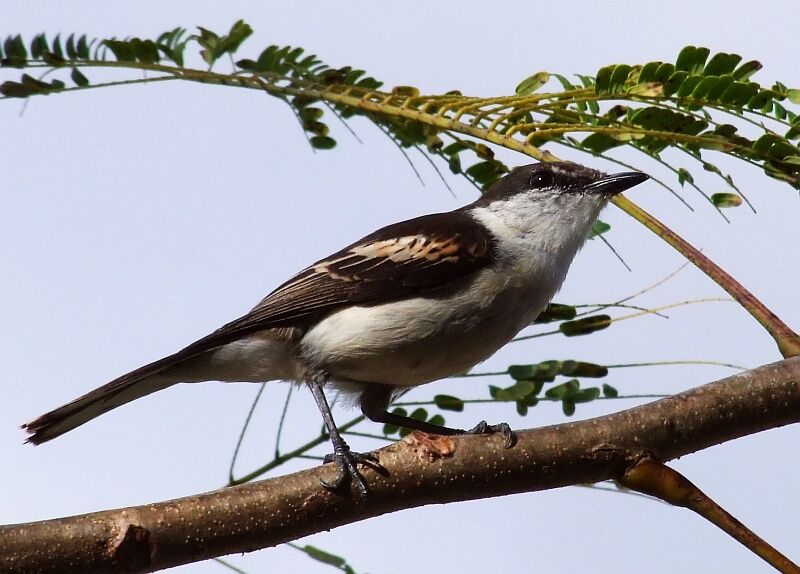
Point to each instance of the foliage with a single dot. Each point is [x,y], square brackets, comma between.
[690,109]
[699,104]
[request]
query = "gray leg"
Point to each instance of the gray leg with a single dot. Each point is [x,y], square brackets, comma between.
[375,400]
[344,458]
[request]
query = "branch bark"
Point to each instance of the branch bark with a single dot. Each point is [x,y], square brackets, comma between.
[421,469]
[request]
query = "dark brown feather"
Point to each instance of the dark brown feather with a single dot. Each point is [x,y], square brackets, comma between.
[413,257]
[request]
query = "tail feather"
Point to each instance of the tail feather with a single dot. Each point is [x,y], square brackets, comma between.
[139,383]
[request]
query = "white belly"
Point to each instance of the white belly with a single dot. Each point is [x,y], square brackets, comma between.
[416,341]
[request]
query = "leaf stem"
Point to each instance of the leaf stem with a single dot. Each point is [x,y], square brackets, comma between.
[787,340]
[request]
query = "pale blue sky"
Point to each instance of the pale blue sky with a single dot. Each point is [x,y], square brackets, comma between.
[134,220]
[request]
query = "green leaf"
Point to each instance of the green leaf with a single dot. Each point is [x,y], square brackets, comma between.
[454,163]
[122,50]
[647,89]
[72,54]
[483,151]
[405,91]
[239,32]
[419,414]
[585,326]
[721,64]
[565,83]
[726,200]
[449,403]
[706,85]
[322,142]
[15,48]
[793,96]
[522,372]
[586,395]
[437,420]
[603,80]
[692,59]
[738,93]
[684,176]
[746,70]
[766,141]
[390,429]
[667,120]
[310,114]
[612,79]
[532,83]
[583,369]
[79,78]
[83,48]
[609,391]
[675,81]
[547,370]
[763,99]
[600,143]
[517,391]
[664,72]
[648,72]
[322,556]
[720,87]
[568,407]
[484,171]
[38,45]
[214,46]
[598,228]
[618,78]
[58,51]
[556,312]
[564,390]
[781,150]
[15,90]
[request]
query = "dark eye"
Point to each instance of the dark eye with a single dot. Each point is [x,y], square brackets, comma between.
[542,179]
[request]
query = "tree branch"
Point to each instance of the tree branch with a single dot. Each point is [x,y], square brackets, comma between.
[421,469]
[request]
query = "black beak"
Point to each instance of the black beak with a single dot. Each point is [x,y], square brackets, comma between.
[617,182]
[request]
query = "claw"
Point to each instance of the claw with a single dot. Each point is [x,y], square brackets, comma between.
[484,428]
[346,460]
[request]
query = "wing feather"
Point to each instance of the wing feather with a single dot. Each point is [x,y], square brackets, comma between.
[412,257]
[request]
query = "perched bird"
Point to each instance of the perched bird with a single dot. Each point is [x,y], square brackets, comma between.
[411,303]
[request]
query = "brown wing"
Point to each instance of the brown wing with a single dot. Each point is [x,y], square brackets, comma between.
[406,258]
[412,257]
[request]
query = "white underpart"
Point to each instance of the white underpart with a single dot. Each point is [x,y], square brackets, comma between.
[422,339]
[418,340]
[253,359]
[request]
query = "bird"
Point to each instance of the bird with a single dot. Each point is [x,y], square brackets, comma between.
[409,304]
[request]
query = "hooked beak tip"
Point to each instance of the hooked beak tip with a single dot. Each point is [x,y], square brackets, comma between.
[618,182]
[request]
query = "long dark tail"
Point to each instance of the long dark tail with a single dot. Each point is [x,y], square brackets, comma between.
[139,383]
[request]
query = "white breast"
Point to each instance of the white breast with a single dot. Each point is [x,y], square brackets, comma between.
[419,340]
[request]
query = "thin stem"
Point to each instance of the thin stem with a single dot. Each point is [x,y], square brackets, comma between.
[240,440]
[787,340]
[541,399]
[682,362]
[282,420]
[301,450]
[229,566]
[654,311]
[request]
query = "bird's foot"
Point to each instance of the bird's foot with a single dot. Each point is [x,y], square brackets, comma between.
[346,460]
[484,428]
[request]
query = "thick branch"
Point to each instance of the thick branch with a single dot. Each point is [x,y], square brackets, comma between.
[421,469]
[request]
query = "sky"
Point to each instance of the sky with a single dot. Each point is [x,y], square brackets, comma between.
[135,220]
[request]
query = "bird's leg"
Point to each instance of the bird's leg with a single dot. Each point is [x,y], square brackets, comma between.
[375,400]
[344,458]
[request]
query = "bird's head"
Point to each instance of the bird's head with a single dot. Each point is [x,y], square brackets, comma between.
[554,197]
